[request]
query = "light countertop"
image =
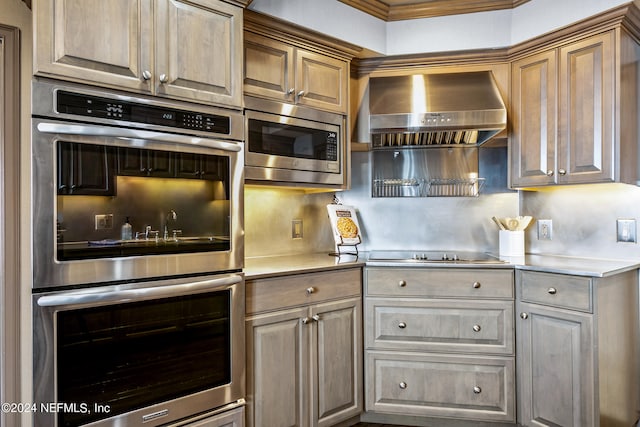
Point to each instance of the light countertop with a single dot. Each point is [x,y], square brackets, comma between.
[260,267]
[267,266]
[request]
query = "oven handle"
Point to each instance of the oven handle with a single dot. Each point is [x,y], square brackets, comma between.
[114,132]
[128,295]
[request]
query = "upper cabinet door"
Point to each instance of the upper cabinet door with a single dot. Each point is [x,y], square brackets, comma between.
[321,81]
[534,100]
[268,68]
[94,41]
[586,110]
[199,51]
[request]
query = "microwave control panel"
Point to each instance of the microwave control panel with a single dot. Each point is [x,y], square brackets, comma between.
[332,146]
[133,112]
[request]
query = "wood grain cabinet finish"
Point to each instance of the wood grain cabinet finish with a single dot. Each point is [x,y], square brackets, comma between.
[173,48]
[283,72]
[231,418]
[304,357]
[451,386]
[439,342]
[577,360]
[573,112]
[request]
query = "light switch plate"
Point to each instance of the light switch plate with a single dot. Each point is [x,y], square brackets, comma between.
[626,230]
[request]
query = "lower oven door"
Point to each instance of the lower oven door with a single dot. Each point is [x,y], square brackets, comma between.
[144,354]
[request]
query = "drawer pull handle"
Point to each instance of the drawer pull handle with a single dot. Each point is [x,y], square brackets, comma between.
[552,291]
[476,285]
[305,320]
[402,283]
[477,390]
[402,385]
[524,315]
[402,325]
[476,328]
[316,317]
[310,290]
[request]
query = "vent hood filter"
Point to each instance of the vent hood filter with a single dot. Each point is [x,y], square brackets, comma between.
[425,110]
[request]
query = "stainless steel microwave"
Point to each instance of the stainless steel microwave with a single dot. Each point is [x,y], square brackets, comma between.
[292,144]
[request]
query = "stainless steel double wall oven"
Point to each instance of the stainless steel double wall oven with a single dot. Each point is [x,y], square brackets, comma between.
[137,252]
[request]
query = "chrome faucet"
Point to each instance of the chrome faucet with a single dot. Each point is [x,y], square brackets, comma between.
[171,216]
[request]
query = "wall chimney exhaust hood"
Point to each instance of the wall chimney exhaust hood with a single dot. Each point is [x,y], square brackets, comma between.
[424,110]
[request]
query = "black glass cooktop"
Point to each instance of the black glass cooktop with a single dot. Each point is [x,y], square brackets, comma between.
[461,257]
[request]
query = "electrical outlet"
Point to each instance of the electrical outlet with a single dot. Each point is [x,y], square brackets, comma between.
[104,222]
[545,229]
[626,230]
[296,229]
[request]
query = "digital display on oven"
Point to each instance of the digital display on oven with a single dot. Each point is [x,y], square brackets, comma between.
[105,108]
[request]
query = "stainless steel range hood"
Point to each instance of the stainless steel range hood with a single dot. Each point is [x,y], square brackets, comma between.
[435,110]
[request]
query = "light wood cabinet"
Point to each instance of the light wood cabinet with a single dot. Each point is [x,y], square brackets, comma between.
[577,350]
[183,50]
[281,71]
[572,113]
[230,418]
[304,358]
[439,342]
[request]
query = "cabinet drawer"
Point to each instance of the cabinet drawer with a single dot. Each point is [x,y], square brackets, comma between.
[440,325]
[232,418]
[572,292]
[478,388]
[275,293]
[440,282]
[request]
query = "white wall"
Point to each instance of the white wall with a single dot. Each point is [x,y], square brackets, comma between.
[329,17]
[482,30]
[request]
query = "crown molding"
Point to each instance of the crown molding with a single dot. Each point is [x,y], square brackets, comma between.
[398,10]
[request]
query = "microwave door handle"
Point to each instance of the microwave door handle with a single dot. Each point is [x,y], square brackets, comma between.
[129,295]
[113,132]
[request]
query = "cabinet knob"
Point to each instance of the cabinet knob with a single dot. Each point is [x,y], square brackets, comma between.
[476,285]
[306,320]
[146,74]
[300,94]
[402,325]
[562,172]
[477,390]
[291,91]
[164,78]
[524,315]
[402,283]
[477,328]
[316,317]
[552,291]
[402,385]
[549,172]
[310,290]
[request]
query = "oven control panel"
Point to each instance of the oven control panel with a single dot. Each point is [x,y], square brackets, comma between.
[106,108]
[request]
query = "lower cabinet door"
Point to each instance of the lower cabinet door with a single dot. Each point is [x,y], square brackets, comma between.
[338,369]
[555,365]
[443,385]
[277,368]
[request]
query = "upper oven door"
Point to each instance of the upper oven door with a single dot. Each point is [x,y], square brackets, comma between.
[182,196]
